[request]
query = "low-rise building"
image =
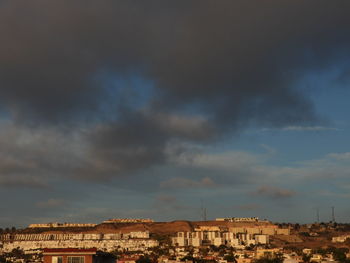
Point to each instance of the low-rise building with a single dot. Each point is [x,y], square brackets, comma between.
[244,260]
[74,255]
[340,239]
[316,258]
[263,252]
[307,251]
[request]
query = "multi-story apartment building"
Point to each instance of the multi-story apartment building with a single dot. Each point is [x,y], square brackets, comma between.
[217,238]
[233,236]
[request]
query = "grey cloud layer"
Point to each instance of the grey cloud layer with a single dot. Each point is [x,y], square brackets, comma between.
[215,66]
[30,157]
[274,192]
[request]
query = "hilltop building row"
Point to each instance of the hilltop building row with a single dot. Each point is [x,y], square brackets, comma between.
[238,219]
[133,241]
[109,221]
[79,236]
[54,225]
[128,220]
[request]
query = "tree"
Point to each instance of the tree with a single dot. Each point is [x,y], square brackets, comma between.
[306,258]
[339,254]
[17,253]
[230,258]
[250,247]
[204,251]
[214,248]
[116,254]
[144,259]
[188,257]
[222,247]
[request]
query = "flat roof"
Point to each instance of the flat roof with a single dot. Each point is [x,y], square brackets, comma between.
[76,251]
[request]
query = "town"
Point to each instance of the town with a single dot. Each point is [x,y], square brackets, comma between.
[223,240]
[122,121]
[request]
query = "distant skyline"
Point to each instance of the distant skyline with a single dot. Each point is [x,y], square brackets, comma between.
[148,109]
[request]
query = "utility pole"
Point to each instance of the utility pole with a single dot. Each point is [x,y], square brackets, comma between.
[203,211]
[333,216]
[318,215]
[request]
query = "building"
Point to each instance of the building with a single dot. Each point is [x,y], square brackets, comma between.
[128,220]
[316,258]
[268,252]
[244,260]
[261,239]
[218,237]
[132,241]
[75,255]
[238,219]
[57,225]
[340,239]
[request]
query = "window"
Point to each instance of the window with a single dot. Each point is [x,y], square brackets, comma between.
[76,259]
[57,260]
[205,236]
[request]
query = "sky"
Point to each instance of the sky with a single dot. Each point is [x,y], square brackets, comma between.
[155,109]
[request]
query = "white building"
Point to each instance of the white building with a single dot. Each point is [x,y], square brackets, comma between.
[133,241]
[238,219]
[340,239]
[202,237]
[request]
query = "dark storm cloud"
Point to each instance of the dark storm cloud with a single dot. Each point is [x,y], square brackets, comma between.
[138,141]
[237,56]
[228,63]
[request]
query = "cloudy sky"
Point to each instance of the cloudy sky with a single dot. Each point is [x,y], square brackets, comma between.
[132,108]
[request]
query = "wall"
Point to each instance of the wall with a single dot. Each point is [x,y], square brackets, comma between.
[48,258]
